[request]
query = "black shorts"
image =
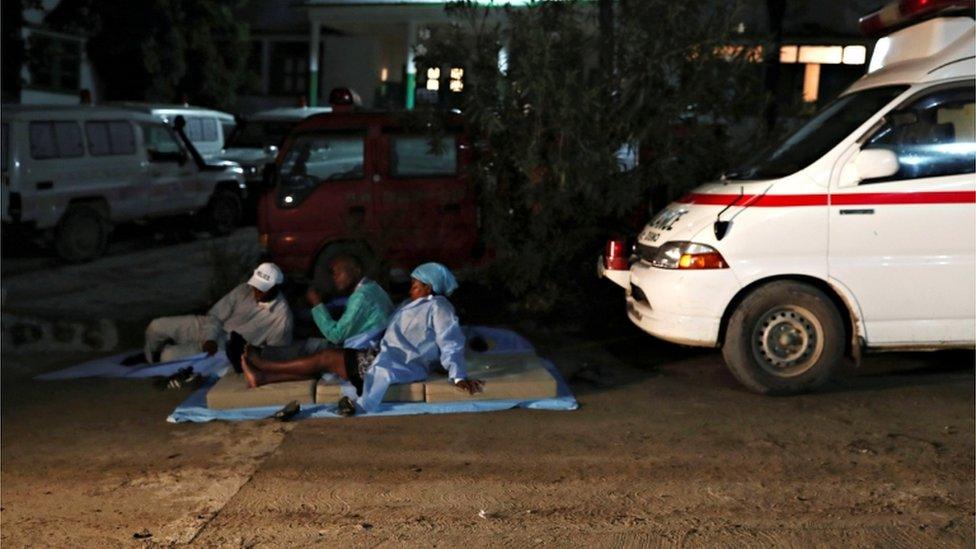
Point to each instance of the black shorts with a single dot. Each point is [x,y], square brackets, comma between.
[358,362]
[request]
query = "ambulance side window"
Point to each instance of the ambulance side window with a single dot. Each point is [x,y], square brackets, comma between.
[932,136]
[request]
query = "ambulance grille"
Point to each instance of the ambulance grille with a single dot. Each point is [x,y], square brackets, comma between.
[646,252]
[638,294]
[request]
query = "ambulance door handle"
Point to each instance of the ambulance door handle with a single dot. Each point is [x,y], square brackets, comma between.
[44,185]
[862,211]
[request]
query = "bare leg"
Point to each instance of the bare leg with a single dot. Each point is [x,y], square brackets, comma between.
[259,371]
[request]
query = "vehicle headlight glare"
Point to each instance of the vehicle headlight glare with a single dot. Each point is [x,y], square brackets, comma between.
[688,255]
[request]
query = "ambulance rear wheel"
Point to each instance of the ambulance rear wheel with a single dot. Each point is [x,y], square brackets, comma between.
[82,234]
[784,338]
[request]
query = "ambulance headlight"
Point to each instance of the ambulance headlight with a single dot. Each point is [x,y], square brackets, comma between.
[688,255]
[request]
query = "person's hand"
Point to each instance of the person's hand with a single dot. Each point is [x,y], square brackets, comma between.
[209,347]
[470,386]
[313,296]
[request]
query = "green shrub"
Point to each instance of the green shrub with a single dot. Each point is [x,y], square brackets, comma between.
[549,128]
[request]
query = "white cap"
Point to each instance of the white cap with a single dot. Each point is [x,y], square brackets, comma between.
[266,276]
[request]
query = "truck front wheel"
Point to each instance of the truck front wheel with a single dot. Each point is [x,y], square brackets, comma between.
[784,338]
[82,234]
[224,212]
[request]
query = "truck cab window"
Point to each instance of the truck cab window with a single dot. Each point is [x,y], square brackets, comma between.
[932,136]
[313,159]
[417,156]
[161,144]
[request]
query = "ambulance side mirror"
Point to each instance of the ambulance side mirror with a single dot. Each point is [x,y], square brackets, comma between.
[869,164]
[876,163]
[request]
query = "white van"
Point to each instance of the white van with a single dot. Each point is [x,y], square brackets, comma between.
[70,172]
[206,128]
[255,140]
[859,231]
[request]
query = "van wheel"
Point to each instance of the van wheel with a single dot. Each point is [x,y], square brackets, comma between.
[82,234]
[322,274]
[224,212]
[784,338]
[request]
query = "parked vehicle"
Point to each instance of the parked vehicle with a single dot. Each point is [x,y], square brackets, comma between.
[255,140]
[71,172]
[206,128]
[357,181]
[858,231]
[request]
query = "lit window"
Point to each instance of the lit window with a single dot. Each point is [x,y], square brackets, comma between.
[457,73]
[433,73]
[828,55]
[855,55]
[457,86]
[433,85]
[787,54]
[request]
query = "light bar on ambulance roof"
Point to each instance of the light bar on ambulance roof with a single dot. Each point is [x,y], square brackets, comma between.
[901,13]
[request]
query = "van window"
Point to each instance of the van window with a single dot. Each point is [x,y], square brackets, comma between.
[413,156]
[933,136]
[160,142]
[200,129]
[312,159]
[107,138]
[257,135]
[820,134]
[55,140]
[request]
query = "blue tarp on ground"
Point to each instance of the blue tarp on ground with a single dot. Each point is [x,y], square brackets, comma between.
[195,408]
[111,366]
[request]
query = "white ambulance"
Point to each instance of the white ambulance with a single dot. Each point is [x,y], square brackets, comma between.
[857,232]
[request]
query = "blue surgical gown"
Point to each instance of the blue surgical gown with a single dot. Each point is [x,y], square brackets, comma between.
[421,333]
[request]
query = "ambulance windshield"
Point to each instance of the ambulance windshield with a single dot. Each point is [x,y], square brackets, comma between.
[820,134]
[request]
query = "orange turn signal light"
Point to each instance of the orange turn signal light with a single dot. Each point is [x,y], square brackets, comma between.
[708,260]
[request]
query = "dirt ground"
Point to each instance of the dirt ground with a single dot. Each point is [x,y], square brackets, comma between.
[667,452]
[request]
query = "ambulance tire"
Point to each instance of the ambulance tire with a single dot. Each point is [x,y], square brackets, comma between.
[82,234]
[224,212]
[784,338]
[322,274]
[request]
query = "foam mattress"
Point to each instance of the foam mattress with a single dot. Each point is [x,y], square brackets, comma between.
[231,391]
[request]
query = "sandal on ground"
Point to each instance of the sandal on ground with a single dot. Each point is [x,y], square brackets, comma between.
[346,407]
[182,378]
[289,411]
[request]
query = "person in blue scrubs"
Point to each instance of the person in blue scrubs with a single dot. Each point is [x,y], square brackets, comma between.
[423,332]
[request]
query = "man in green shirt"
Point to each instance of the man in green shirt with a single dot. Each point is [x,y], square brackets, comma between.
[367,309]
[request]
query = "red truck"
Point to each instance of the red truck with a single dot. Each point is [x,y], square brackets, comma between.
[363,182]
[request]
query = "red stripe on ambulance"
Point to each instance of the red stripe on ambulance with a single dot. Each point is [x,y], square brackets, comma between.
[855,199]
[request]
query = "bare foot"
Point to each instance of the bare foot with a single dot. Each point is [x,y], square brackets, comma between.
[253,377]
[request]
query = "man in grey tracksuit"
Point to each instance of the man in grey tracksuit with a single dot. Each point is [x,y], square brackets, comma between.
[256,310]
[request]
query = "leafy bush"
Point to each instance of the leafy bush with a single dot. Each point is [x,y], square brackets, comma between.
[550,127]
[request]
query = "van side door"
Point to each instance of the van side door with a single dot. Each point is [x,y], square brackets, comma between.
[116,166]
[426,204]
[905,245]
[172,174]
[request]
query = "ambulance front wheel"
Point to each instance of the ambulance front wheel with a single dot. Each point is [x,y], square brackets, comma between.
[784,338]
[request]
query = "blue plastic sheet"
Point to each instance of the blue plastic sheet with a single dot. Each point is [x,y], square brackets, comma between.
[194,409]
[111,366]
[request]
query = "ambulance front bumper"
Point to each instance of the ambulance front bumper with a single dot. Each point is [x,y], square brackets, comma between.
[680,306]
